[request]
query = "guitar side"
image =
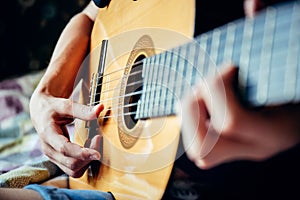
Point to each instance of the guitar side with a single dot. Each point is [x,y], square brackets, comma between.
[136,161]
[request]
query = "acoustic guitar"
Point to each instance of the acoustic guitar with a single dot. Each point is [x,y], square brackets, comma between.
[143,61]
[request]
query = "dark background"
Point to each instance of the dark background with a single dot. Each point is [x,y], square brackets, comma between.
[29,30]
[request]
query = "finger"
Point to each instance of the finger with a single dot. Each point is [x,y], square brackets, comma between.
[226,108]
[251,7]
[227,150]
[194,127]
[237,116]
[63,121]
[73,173]
[86,112]
[211,103]
[212,92]
[228,76]
[68,108]
[96,143]
[56,138]
[71,166]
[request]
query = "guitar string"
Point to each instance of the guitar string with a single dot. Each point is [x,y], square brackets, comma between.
[129,105]
[153,89]
[117,88]
[117,79]
[263,28]
[139,82]
[140,71]
[128,113]
[118,70]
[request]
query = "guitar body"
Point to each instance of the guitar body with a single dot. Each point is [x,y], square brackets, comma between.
[137,157]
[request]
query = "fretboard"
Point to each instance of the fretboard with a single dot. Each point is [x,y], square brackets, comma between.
[265,48]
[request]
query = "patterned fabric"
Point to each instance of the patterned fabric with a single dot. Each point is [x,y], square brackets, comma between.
[21,159]
[14,103]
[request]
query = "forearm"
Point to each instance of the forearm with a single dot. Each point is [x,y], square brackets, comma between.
[67,57]
[15,193]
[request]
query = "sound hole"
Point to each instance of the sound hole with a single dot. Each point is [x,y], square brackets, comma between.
[133,90]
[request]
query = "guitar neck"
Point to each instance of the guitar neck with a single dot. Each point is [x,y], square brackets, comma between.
[265,48]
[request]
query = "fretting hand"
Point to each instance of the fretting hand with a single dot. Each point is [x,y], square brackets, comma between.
[218,128]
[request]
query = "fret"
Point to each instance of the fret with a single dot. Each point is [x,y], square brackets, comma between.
[221,48]
[171,80]
[297,98]
[203,53]
[149,86]
[229,41]
[256,48]
[157,84]
[177,81]
[266,49]
[208,60]
[192,54]
[264,67]
[155,68]
[236,53]
[197,66]
[211,62]
[245,53]
[249,80]
[181,71]
[154,84]
[140,110]
[177,76]
[215,45]
[292,57]
[141,102]
[166,80]
[161,84]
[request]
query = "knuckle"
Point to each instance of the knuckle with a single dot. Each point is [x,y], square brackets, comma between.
[63,148]
[75,174]
[73,165]
[67,105]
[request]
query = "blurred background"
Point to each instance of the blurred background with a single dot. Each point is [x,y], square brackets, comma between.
[29,30]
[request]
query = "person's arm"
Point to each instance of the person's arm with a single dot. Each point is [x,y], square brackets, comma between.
[50,107]
[21,194]
[218,128]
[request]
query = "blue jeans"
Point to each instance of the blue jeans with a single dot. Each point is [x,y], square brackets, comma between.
[50,193]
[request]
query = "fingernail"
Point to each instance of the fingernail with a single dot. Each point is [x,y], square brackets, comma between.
[95,108]
[94,157]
